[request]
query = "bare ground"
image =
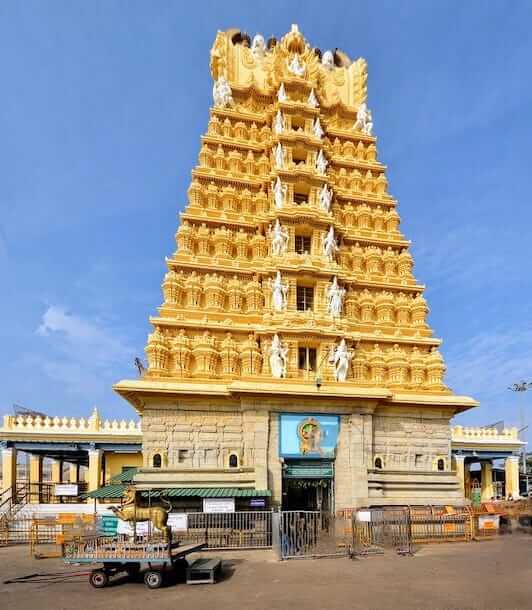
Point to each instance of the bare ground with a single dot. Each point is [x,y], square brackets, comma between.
[491,575]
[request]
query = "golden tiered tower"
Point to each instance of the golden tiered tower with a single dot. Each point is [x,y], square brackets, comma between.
[291,286]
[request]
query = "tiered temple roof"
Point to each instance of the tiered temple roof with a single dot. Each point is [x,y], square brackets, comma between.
[290,232]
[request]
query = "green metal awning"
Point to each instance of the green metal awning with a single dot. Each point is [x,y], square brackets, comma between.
[117,491]
[124,477]
[108,491]
[308,471]
[209,492]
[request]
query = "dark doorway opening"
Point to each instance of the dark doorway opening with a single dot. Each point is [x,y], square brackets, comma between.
[307,494]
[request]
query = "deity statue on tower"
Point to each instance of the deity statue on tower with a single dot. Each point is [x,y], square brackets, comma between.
[258,46]
[278,123]
[321,163]
[335,298]
[296,67]
[278,358]
[312,100]
[279,193]
[341,358]
[221,93]
[364,122]
[317,129]
[327,60]
[279,156]
[325,198]
[279,237]
[329,244]
[279,293]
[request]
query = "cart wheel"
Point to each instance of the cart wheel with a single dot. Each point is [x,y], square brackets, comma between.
[98,579]
[153,579]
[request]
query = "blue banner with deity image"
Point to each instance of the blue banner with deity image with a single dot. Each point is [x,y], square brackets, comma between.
[307,435]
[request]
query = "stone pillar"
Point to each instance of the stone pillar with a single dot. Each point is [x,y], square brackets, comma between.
[467,479]
[73,473]
[9,468]
[275,470]
[460,472]
[256,431]
[351,470]
[94,475]
[511,467]
[486,481]
[57,471]
[35,477]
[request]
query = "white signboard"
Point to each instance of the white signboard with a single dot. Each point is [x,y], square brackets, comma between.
[364,516]
[218,505]
[488,522]
[124,527]
[65,489]
[178,521]
[142,529]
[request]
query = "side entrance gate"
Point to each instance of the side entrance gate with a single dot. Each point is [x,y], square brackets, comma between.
[312,534]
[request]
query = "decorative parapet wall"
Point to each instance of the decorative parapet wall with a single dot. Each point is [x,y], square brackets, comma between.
[92,427]
[462,434]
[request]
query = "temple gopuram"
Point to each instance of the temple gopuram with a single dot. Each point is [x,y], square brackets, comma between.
[291,363]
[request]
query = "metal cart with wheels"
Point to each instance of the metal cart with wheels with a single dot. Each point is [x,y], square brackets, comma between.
[123,555]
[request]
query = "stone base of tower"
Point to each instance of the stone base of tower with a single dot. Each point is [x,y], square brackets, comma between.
[308,452]
[414,488]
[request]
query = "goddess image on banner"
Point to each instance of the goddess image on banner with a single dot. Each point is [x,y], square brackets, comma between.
[308,435]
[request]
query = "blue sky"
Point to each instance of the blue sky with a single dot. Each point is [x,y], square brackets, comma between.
[101,112]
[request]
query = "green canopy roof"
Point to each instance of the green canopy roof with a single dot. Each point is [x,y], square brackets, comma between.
[125,477]
[117,491]
[209,492]
[108,491]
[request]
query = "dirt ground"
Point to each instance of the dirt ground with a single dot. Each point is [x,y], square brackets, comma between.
[491,575]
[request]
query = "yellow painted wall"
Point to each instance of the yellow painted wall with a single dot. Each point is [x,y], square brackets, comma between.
[114,462]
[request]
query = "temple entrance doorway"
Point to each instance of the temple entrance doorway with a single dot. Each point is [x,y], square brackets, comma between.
[308,485]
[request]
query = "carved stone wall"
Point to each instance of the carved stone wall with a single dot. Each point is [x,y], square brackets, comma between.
[195,438]
[411,441]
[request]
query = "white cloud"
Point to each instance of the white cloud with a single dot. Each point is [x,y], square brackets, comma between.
[82,354]
[487,363]
[455,255]
[82,338]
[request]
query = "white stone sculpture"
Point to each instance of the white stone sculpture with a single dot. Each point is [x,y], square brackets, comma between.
[335,298]
[321,163]
[278,358]
[317,129]
[328,60]
[279,237]
[258,46]
[278,123]
[279,292]
[329,245]
[325,198]
[312,100]
[296,67]
[221,93]
[279,193]
[281,94]
[364,122]
[341,358]
[279,157]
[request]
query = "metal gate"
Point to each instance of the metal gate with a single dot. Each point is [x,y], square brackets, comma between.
[376,529]
[307,534]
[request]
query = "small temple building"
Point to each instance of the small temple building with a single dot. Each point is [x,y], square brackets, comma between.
[290,364]
[291,354]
